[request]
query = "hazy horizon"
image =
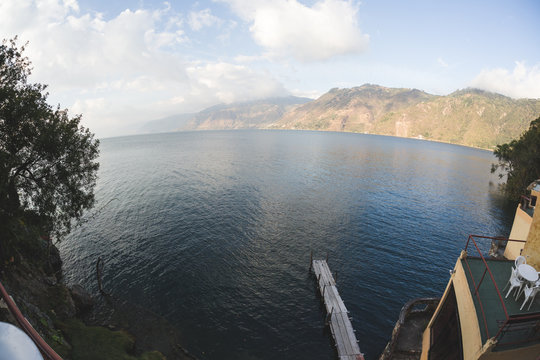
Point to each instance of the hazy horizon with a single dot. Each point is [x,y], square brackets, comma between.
[121,64]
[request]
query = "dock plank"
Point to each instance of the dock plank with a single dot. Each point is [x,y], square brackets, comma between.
[339,322]
[322,272]
[342,343]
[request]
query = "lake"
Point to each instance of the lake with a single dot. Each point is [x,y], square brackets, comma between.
[213,230]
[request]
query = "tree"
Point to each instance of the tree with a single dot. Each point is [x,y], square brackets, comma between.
[47,159]
[520,161]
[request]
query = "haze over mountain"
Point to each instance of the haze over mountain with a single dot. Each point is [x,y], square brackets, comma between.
[239,115]
[122,63]
[170,123]
[468,117]
[246,115]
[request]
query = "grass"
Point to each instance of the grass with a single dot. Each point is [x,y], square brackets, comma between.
[95,342]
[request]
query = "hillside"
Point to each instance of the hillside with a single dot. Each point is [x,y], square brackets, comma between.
[168,124]
[241,115]
[469,117]
[245,115]
[358,109]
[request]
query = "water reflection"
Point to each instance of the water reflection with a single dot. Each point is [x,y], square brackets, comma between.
[214,231]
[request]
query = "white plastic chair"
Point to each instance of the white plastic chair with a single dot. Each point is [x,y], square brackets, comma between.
[530,293]
[514,282]
[520,260]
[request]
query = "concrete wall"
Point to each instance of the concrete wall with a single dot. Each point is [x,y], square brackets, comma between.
[470,330]
[535,193]
[531,250]
[520,231]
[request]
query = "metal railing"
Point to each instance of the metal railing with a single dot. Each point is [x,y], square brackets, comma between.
[513,329]
[525,202]
[44,348]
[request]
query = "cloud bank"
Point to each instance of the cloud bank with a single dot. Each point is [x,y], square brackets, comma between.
[287,28]
[127,69]
[521,82]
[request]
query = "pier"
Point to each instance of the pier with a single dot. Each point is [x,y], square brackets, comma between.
[337,315]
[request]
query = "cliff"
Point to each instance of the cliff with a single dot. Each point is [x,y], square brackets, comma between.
[31,272]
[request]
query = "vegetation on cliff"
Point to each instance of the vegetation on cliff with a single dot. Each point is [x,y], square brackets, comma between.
[520,161]
[47,159]
[48,171]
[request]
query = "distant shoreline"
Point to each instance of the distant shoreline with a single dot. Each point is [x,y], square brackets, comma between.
[394,136]
[285,129]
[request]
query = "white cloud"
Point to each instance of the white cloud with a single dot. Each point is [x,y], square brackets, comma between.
[522,82]
[289,28]
[124,70]
[312,94]
[202,18]
[69,50]
[229,83]
[244,59]
[71,4]
[441,62]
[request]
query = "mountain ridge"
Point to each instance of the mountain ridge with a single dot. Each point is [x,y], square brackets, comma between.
[470,117]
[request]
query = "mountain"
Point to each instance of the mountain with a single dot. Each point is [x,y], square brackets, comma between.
[168,124]
[241,115]
[357,109]
[245,115]
[468,117]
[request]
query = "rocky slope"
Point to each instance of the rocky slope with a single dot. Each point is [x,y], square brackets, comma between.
[468,117]
[256,114]
[31,272]
[245,115]
[356,109]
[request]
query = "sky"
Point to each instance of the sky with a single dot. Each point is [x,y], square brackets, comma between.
[122,63]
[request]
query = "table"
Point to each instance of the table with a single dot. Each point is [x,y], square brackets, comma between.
[527,272]
[16,345]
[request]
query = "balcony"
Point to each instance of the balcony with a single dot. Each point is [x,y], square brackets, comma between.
[499,317]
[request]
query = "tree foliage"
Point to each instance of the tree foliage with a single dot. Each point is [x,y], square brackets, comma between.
[47,159]
[520,161]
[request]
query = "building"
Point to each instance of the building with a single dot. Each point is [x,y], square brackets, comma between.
[474,318]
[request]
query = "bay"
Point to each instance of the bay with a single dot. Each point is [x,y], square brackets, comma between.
[213,230]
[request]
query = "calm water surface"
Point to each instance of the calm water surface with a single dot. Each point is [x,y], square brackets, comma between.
[213,230]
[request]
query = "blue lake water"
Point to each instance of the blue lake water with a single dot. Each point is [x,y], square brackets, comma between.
[213,230]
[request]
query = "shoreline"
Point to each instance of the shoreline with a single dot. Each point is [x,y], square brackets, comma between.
[364,133]
[286,129]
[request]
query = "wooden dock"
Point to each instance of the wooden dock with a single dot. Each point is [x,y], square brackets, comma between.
[337,315]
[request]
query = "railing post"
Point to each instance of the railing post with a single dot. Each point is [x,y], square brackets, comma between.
[467,245]
[481,280]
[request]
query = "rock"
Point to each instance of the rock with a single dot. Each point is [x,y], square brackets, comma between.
[62,301]
[55,261]
[82,299]
[50,280]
